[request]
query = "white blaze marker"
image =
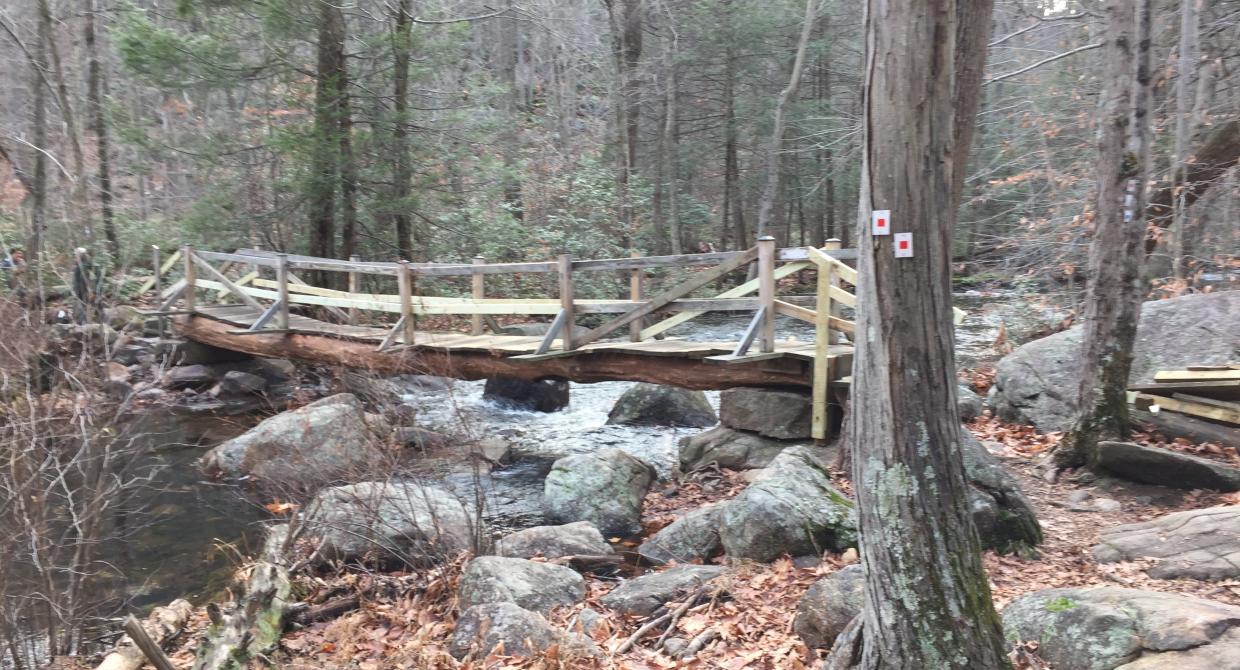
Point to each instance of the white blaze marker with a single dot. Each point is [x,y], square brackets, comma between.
[904,245]
[880,221]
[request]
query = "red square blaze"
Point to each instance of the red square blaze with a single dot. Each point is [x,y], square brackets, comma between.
[882,223]
[903,245]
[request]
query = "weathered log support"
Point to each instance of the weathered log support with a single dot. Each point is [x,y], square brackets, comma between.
[586,367]
[163,624]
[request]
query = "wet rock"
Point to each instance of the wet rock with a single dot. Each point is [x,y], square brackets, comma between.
[534,586]
[189,376]
[792,509]
[773,413]
[829,605]
[403,521]
[571,539]
[1038,382]
[1004,517]
[493,450]
[1151,465]
[188,352]
[606,488]
[693,536]
[1128,629]
[644,595]
[543,395]
[655,405]
[238,382]
[420,438]
[728,448]
[319,443]
[483,627]
[137,351]
[968,404]
[1198,544]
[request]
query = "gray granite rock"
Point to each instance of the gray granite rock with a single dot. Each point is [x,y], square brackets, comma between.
[1198,544]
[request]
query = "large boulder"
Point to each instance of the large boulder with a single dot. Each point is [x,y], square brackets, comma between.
[541,395]
[655,405]
[606,488]
[644,595]
[401,521]
[1038,382]
[1113,628]
[539,587]
[791,509]
[1198,543]
[1151,465]
[829,605]
[571,539]
[482,628]
[323,442]
[969,405]
[781,414]
[1004,517]
[692,537]
[189,376]
[728,448]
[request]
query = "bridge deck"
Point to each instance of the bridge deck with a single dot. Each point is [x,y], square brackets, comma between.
[673,361]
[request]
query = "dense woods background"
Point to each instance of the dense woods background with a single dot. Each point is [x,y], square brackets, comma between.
[443,129]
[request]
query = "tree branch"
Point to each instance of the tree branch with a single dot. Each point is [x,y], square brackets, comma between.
[1044,61]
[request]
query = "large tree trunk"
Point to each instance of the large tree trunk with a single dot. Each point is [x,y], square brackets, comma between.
[95,85]
[402,169]
[928,602]
[625,18]
[328,89]
[775,150]
[1113,297]
[38,183]
[671,140]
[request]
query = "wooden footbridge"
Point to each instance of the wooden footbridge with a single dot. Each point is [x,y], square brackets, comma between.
[354,328]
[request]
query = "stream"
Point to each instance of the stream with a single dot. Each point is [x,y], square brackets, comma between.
[196,532]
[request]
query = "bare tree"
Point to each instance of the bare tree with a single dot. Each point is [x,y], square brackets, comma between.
[96,87]
[1113,296]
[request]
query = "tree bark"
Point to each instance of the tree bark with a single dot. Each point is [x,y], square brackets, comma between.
[1185,67]
[1113,296]
[329,81]
[671,139]
[775,149]
[38,185]
[95,85]
[402,169]
[928,602]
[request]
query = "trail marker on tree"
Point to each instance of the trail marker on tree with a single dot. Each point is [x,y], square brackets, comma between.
[881,222]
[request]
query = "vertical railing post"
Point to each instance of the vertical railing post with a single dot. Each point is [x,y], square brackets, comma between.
[822,350]
[282,281]
[355,287]
[565,263]
[404,282]
[156,263]
[187,255]
[766,292]
[635,294]
[479,292]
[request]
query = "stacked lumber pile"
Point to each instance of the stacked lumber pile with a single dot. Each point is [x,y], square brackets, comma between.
[1208,393]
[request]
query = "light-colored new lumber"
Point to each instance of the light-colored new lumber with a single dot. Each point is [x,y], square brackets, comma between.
[1196,375]
[1194,408]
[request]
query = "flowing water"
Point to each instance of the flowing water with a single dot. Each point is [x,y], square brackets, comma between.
[196,532]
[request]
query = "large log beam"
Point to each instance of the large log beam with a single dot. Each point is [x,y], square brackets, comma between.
[586,367]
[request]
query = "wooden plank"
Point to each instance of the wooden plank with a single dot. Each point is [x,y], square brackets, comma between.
[479,292]
[226,282]
[565,264]
[1213,402]
[841,324]
[404,283]
[822,345]
[1196,375]
[282,277]
[1222,388]
[355,287]
[242,281]
[1193,408]
[795,311]
[266,316]
[557,325]
[391,335]
[235,258]
[158,269]
[191,284]
[732,359]
[635,294]
[684,288]
[766,293]
[1230,366]
[741,290]
[821,258]
[750,333]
